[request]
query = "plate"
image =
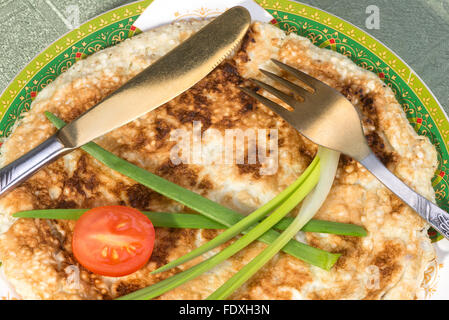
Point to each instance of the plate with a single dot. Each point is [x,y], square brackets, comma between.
[324,30]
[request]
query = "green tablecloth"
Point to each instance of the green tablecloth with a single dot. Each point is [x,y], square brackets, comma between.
[415,29]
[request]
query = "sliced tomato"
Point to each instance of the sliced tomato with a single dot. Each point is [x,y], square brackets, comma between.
[113,240]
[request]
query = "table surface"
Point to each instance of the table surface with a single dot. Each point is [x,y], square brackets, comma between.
[415,29]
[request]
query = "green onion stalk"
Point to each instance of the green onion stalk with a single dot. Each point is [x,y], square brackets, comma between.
[329,163]
[252,235]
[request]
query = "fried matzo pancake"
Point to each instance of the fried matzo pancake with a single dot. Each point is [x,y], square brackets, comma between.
[36,254]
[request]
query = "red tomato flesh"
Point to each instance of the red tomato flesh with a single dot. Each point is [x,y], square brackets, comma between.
[113,241]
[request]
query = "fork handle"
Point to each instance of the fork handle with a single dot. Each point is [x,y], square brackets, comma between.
[438,218]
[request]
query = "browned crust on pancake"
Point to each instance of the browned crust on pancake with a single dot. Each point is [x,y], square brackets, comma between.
[217,102]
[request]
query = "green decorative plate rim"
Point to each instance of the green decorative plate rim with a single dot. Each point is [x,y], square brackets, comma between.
[322,28]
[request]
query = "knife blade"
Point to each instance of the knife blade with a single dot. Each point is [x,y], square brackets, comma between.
[163,80]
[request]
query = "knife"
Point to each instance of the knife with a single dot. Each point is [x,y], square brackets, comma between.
[163,80]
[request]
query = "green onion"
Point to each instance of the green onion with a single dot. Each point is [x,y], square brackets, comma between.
[180,278]
[308,209]
[243,224]
[204,206]
[321,226]
[196,221]
[159,219]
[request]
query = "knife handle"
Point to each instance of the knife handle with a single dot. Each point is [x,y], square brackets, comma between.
[22,168]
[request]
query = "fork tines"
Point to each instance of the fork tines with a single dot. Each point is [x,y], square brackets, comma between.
[300,90]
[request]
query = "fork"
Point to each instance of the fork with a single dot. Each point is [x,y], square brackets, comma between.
[327,118]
